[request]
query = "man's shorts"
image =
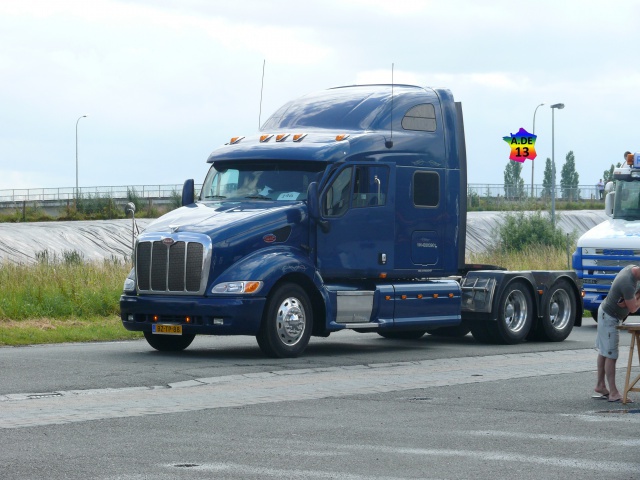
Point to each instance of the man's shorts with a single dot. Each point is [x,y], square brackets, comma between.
[608,336]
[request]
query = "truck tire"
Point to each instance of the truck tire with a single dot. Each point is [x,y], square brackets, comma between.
[450,332]
[515,315]
[169,343]
[559,313]
[403,335]
[286,323]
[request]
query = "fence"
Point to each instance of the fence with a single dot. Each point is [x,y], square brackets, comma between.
[582,192]
[69,193]
[521,192]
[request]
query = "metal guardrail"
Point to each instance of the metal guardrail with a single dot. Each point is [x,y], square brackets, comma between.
[582,192]
[64,194]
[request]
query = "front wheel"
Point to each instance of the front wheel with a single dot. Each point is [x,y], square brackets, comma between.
[168,343]
[286,323]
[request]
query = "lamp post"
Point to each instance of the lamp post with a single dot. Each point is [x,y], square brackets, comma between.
[559,106]
[534,132]
[83,116]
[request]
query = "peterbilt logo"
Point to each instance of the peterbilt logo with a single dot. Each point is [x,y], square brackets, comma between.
[168,241]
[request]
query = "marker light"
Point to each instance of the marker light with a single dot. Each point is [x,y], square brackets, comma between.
[282,137]
[299,136]
[235,140]
[155,318]
[342,136]
[265,138]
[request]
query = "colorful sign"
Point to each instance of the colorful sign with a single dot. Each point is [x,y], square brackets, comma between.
[523,146]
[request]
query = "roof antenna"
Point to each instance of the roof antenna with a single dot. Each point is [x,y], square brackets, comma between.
[389,143]
[264,62]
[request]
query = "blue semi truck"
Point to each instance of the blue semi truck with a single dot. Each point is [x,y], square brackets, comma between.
[347,210]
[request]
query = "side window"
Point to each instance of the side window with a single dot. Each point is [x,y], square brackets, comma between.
[336,198]
[421,117]
[370,186]
[426,189]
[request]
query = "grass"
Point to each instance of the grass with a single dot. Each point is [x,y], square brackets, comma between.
[61,300]
[47,330]
[542,257]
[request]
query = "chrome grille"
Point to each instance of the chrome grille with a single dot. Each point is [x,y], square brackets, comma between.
[175,267]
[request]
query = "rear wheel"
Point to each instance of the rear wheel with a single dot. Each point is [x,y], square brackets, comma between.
[286,324]
[168,343]
[515,317]
[403,335]
[559,313]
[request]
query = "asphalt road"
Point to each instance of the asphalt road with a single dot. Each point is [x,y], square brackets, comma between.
[354,406]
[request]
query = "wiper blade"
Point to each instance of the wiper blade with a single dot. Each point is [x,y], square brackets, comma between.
[214,197]
[259,197]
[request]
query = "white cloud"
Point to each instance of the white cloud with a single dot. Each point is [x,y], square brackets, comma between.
[165,82]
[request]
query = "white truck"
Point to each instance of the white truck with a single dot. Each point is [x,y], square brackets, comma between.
[608,247]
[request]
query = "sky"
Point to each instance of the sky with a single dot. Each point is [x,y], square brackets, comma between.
[163,83]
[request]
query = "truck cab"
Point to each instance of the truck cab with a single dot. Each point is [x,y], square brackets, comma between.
[608,247]
[346,211]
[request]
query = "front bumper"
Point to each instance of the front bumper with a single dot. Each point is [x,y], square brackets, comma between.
[197,315]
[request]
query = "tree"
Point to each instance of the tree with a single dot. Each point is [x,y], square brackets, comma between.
[513,183]
[569,178]
[547,181]
[607,175]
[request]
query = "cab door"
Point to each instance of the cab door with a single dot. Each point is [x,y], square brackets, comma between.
[355,237]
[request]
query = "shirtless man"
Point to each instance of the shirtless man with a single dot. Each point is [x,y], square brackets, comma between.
[623,299]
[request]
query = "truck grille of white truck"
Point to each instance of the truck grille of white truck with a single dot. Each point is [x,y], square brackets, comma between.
[174,267]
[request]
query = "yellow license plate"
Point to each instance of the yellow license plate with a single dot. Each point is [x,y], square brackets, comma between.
[166,329]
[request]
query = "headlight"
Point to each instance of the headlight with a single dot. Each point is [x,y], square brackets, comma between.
[130,281]
[237,287]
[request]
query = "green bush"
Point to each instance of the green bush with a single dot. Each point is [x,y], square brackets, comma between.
[522,231]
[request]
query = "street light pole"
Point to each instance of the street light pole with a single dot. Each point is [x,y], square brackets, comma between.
[83,116]
[559,106]
[534,132]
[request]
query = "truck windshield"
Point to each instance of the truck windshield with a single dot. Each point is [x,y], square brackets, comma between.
[627,204]
[281,181]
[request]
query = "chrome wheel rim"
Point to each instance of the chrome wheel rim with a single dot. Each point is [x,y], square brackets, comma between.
[290,321]
[515,311]
[559,309]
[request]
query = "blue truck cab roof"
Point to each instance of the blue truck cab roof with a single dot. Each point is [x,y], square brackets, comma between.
[351,122]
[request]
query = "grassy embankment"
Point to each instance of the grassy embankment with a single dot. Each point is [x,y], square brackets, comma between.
[61,301]
[67,300]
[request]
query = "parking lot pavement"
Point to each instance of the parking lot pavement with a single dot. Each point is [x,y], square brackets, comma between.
[60,407]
